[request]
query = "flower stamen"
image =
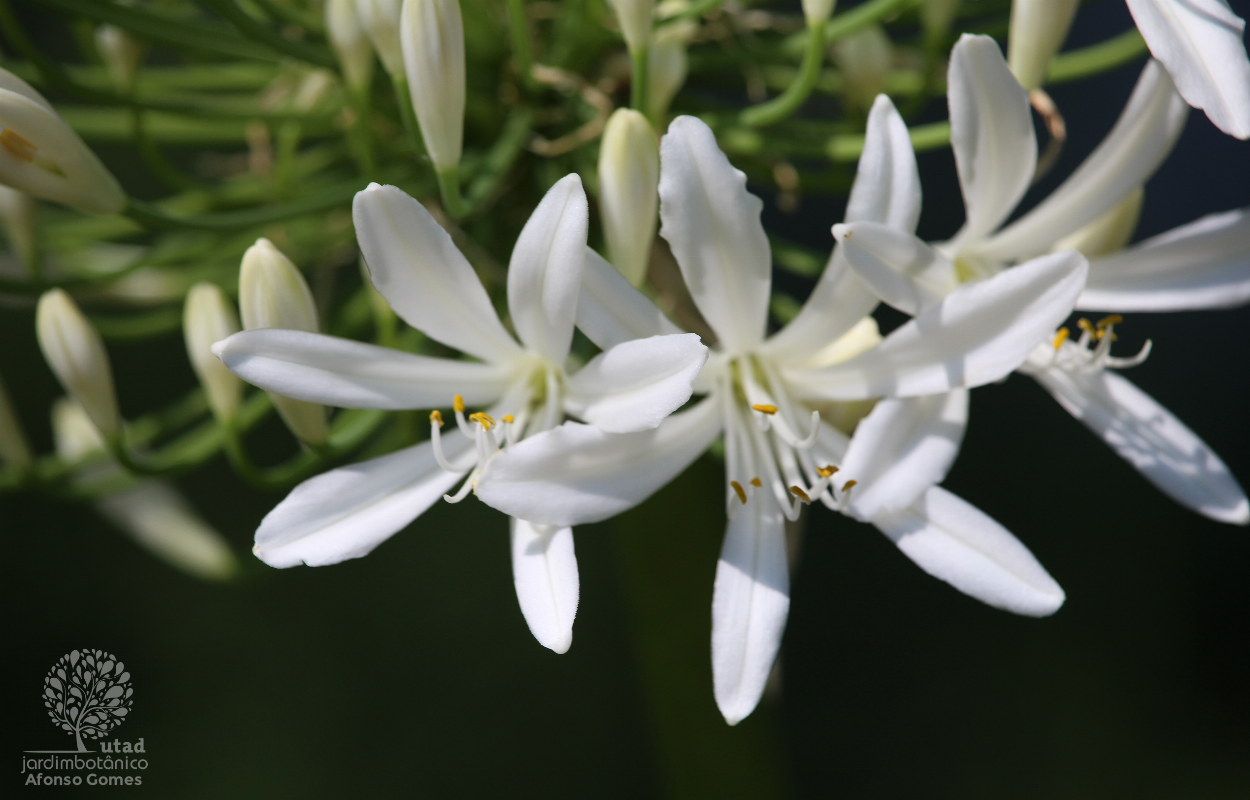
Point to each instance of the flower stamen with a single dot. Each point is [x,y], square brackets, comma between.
[742,493]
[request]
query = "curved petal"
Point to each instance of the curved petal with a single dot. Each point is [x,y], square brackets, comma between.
[901,449]
[414,264]
[1146,435]
[1200,42]
[610,311]
[977,334]
[886,190]
[1142,137]
[546,269]
[904,271]
[544,570]
[713,225]
[635,385]
[578,473]
[340,372]
[956,542]
[750,603]
[991,134]
[1205,264]
[346,512]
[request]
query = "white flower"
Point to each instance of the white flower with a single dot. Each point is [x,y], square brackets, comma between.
[207,318]
[41,156]
[635,19]
[763,395]
[380,19]
[347,512]
[817,12]
[76,354]
[351,43]
[432,35]
[629,172]
[1038,28]
[1203,264]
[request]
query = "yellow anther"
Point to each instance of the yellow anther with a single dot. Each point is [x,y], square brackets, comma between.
[756,482]
[19,147]
[1085,325]
[507,418]
[483,419]
[742,493]
[826,472]
[799,493]
[1110,319]
[846,487]
[436,418]
[1061,336]
[457,404]
[764,408]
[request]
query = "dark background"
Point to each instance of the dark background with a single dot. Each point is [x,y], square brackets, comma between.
[411,672]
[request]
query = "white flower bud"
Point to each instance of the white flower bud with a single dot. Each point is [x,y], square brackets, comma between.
[43,157]
[635,19]
[864,59]
[73,433]
[1038,28]
[666,66]
[629,179]
[18,213]
[209,317]
[75,352]
[936,15]
[380,20]
[818,12]
[1109,232]
[351,45]
[159,519]
[14,450]
[121,54]
[432,35]
[273,294]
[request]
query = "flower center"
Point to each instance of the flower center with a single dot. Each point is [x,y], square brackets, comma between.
[1091,352]
[489,437]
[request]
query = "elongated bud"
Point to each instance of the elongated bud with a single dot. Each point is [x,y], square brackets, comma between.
[19,213]
[864,59]
[350,43]
[1109,232]
[1038,28]
[73,433]
[41,156]
[817,12]
[273,294]
[121,54]
[75,352]
[635,19]
[432,35]
[380,20]
[14,450]
[667,65]
[207,318]
[629,180]
[159,519]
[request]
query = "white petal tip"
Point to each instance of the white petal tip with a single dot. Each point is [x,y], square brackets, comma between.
[559,645]
[735,715]
[841,231]
[1237,515]
[1043,605]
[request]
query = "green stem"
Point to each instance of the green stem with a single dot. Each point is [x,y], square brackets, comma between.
[359,137]
[449,189]
[522,51]
[164,171]
[289,13]
[638,81]
[153,217]
[252,29]
[788,102]
[408,114]
[1097,58]
[498,162]
[348,431]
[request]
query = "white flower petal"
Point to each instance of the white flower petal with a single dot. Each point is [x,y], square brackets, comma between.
[414,264]
[1148,436]
[546,269]
[158,518]
[610,311]
[341,372]
[713,225]
[956,542]
[578,473]
[901,449]
[1200,43]
[544,570]
[904,271]
[1205,264]
[1142,137]
[977,334]
[886,190]
[991,134]
[750,603]
[346,512]
[635,385]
